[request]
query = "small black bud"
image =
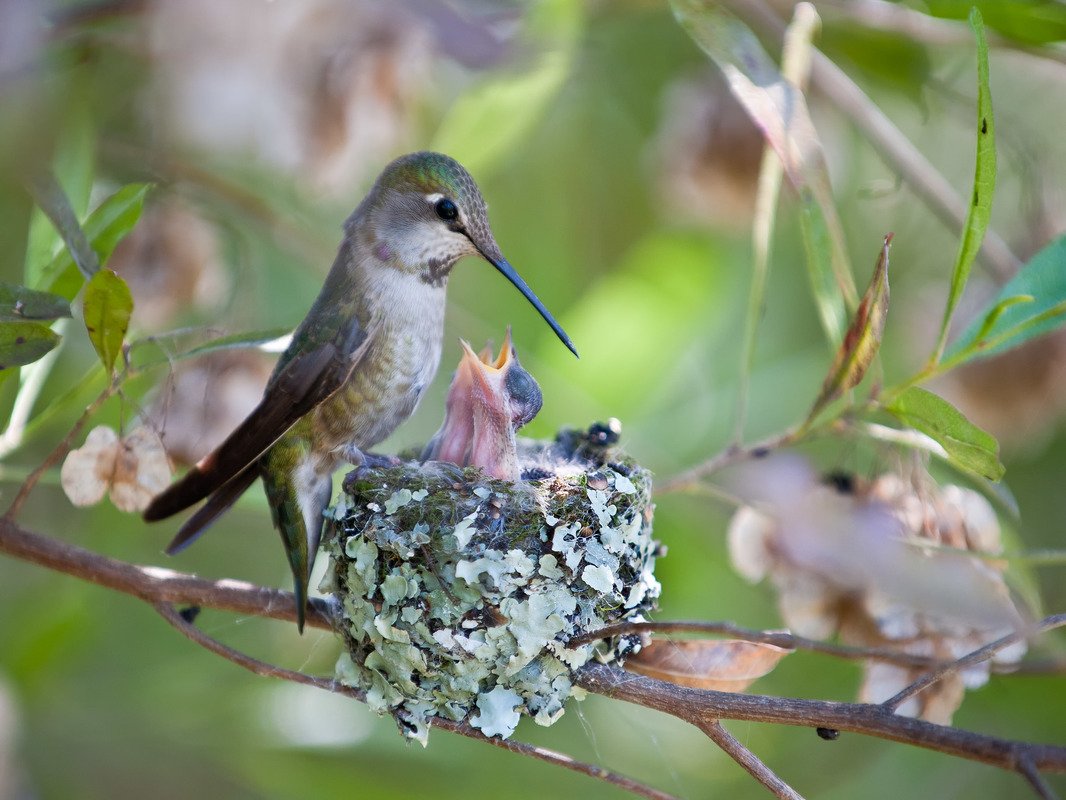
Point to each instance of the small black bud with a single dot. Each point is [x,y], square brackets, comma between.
[843,482]
[190,613]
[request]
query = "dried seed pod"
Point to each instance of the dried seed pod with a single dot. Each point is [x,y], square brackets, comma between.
[866,560]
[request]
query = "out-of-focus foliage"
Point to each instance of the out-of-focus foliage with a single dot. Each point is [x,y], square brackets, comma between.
[260,127]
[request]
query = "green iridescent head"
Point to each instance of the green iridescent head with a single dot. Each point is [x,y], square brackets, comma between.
[427,212]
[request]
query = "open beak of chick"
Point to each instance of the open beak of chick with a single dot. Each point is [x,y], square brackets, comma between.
[488,401]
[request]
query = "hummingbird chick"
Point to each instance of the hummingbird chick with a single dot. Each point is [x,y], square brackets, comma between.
[487,402]
[359,362]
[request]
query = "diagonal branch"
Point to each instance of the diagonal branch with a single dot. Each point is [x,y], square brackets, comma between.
[696,706]
[783,639]
[190,631]
[970,659]
[699,707]
[748,760]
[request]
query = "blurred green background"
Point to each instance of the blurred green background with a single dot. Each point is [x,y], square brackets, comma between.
[620,177]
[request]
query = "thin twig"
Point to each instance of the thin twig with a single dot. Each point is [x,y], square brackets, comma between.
[155,585]
[59,452]
[926,181]
[1036,780]
[791,641]
[748,760]
[1038,666]
[783,639]
[698,705]
[970,659]
[734,454]
[190,631]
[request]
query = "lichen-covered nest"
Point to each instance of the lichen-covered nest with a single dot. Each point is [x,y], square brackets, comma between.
[458,593]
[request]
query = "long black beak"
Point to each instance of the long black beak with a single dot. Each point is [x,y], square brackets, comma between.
[504,266]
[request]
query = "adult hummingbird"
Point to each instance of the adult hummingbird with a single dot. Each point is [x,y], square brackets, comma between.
[358,363]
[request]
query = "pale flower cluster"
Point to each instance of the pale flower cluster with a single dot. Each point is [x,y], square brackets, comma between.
[883,563]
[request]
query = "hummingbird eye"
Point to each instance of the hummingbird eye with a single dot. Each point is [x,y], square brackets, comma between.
[447,210]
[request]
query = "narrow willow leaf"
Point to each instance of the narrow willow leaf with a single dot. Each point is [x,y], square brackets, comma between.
[984,184]
[53,201]
[104,228]
[1008,324]
[819,251]
[165,348]
[863,338]
[728,665]
[18,302]
[779,109]
[795,66]
[24,342]
[997,311]
[967,446]
[108,306]
[73,164]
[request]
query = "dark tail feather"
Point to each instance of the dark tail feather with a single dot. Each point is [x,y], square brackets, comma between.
[216,505]
[194,486]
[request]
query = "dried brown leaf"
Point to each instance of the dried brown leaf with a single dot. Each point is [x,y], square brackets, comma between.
[727,665]
[863,337]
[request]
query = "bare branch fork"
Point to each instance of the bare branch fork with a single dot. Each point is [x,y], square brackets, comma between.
[164,589]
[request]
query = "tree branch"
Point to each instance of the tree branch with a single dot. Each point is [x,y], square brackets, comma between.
[748,760]
[970,659]
[190,631]
[60,450]
[784,639]
[696,706]
[734,454]
[163,588]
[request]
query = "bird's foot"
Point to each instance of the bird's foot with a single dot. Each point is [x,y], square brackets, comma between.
[364,460]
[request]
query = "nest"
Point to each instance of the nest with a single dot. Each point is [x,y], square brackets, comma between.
[459,593]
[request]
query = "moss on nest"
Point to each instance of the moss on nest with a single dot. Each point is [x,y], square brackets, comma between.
[458,592]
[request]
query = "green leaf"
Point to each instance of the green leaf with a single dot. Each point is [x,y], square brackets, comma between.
[24,342]
[967,446]
[998,310]
[73,169]
[863,339]
[819,251]
[780,111]
[53,201]
[984,185]
[1009,322]
[1026,21]
[105,228]
[795,66]
[108,306]
[20,303]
